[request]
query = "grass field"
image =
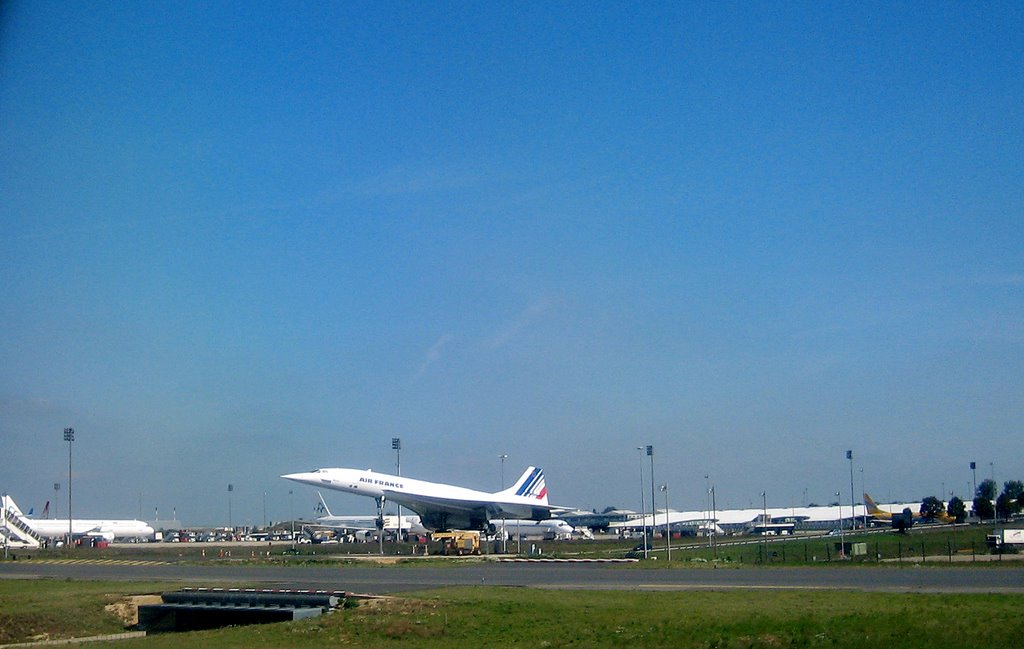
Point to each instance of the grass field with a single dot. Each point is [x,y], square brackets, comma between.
[475,617]
[45,609]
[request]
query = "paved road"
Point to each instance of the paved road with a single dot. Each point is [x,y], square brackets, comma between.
[380,580]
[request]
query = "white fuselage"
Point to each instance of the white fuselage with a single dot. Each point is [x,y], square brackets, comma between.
[409,524]
[55,528]
[375,485]
[440,506]
[553,526]
[108,529]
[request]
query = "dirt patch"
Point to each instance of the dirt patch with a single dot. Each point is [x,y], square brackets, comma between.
[384,604]
[384,560]
[397,618]
[33,627]
[127,608]
[21,628]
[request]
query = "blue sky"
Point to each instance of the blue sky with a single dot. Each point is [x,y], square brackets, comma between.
[243,241]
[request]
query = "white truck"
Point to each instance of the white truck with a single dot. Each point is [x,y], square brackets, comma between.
[1012,539]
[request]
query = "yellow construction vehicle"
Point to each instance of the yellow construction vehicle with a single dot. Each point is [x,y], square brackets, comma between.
[458,542]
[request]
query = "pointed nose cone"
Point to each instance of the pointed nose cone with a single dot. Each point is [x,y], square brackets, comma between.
[305,478]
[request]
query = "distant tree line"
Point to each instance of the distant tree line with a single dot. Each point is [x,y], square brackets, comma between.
[985,504]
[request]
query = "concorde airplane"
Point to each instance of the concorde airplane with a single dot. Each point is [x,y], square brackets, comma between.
[440,506]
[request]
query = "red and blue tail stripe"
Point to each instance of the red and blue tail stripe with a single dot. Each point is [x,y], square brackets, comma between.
[533,486]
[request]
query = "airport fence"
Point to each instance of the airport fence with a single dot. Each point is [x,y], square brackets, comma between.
[949,544]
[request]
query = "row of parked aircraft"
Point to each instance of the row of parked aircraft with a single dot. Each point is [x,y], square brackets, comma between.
[440,506]
[443,506]
[778,520]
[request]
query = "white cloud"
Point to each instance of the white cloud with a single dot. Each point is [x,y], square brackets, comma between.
[434,353]
[523,319]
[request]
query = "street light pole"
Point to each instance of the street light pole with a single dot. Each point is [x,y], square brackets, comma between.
[231,526]
[668,531]
[974,478]
[995,494]
[714,522]
[654,508]
[504,534]
[853,503]
[396,445]
[865,519]
[764,523]
[842,536]
[69,437]
[707,507]
[643,505]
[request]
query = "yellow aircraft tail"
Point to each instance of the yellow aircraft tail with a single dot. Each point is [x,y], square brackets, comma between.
[875,510]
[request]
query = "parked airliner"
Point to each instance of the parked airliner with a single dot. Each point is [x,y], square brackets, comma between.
[903,519]
[31,531]
[554,528]
[409,524]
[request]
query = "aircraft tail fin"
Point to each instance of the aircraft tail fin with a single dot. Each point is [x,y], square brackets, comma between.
[322,507]
[874,509]
[46,510]
[11,507]
[530,485]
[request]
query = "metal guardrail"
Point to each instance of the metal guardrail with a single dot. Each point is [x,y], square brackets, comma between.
[201,608]
[231,597]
